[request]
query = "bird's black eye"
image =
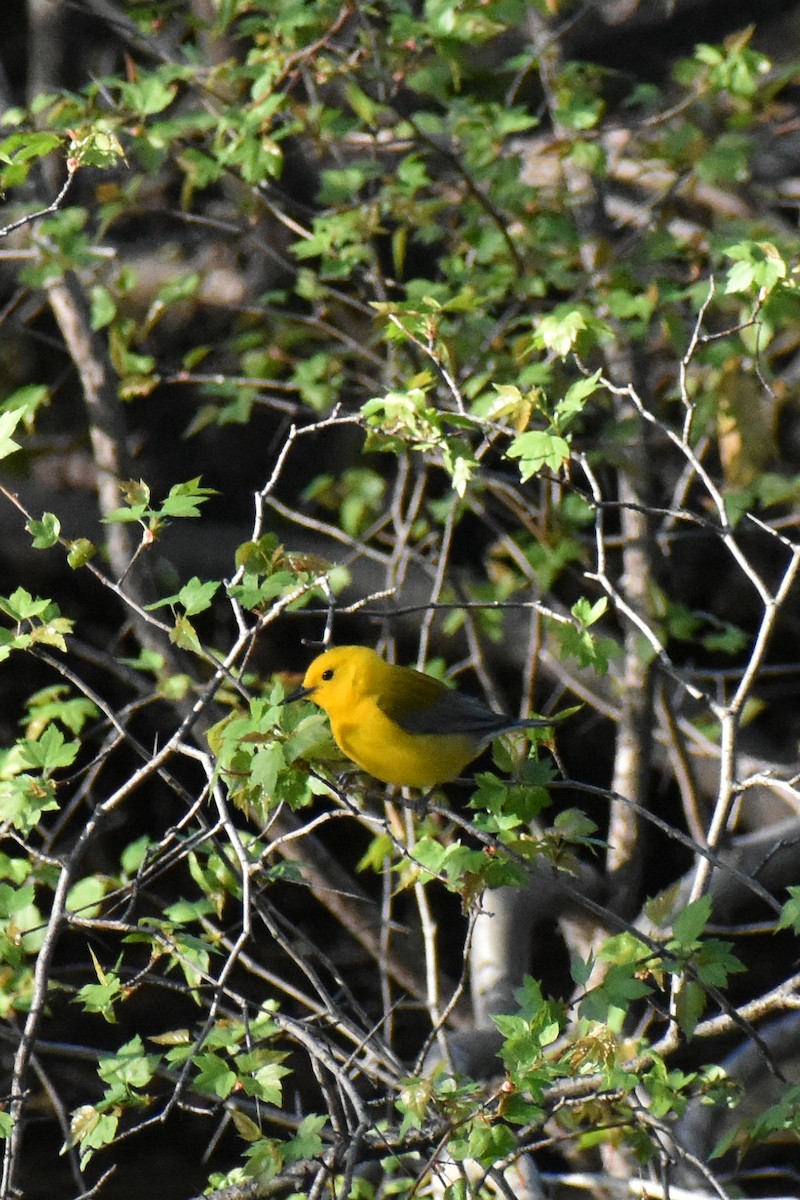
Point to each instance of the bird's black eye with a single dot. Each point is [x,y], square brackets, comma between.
[326,675]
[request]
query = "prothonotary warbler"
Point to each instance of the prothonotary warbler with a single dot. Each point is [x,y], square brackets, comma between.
[399,725]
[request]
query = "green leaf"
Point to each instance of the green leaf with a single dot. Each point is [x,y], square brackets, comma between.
[96,146]
[196,596]
[134,855]
[559,332]
[587,613]
[790,913]
[574,399]
[268,762]
[757,265]
[184,634]
[214,1075]
[27,400]
[14,899]
[8,423]
[81,550]
[92,1129]
[538,449]
[104,307]
[581,970]
[148,93]
[306,1143]
[691,1003]
[45,533]
[610,1001]
[129,1067]
[691,921]
[51,752]
[24,799]
[265,1083]
[184,499]
[56,704]
[102,996]
[84,897]
[21,152]
[589,649]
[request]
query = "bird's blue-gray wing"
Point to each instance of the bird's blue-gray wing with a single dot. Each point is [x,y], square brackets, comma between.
[420,704]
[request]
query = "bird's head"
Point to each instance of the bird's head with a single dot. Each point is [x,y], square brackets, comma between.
[336,677]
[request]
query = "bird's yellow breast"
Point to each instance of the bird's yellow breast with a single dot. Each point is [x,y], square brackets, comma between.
[381,747]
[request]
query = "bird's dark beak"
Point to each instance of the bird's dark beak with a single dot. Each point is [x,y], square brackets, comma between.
[299,694]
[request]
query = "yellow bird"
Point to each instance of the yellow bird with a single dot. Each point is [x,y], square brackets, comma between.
[401,726]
